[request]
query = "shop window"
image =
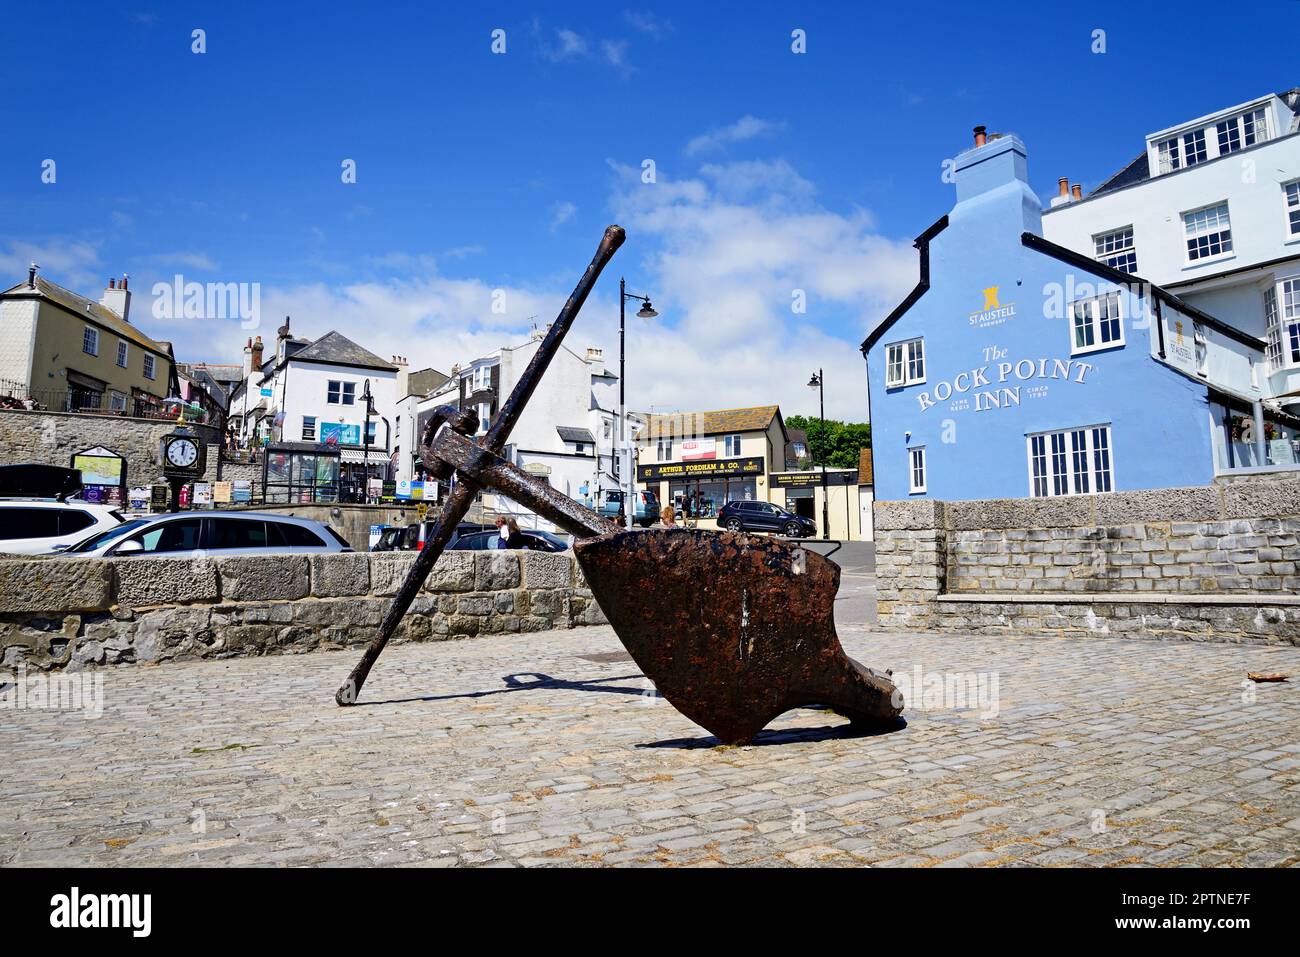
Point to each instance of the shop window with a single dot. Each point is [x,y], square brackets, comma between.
[1208,233]
[905,363]
[1070,462]
[1097,323]
[916,469]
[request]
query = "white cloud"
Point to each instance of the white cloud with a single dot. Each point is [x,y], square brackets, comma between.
[189,260]
[73,264]
[745,128]
[615,53]
[648,23]
[724,254]
[561,213]
[568,45]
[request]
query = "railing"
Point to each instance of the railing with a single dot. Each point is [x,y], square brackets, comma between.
[14,395]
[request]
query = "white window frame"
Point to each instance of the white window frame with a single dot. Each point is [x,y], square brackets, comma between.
[1101,314]
[1201,344]
[309,428]
[1291,208]
[1197,151]
[1242,128]
[1168,156]
[1074,461]
[117,401]
[664,450]
[1114,245]
[90,341]
[484,416]
[123,353]
[731,446]
[150,371]
[905,363]
[1222,229]
[1289,316]
[917,470]
[1272,329]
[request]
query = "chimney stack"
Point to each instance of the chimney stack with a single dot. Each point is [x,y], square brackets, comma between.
[31,275]
[257,353]
[1077,192]
[981,136]
[1063,195]
[117,298]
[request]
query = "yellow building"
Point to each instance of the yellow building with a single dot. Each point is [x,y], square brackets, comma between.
[69,353]
[699,461]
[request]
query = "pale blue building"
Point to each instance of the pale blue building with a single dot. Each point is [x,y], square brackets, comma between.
[1018,367]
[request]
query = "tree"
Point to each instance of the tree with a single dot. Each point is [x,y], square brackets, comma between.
[838,445]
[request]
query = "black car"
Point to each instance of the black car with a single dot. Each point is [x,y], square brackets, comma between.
[764,517]
[531,539]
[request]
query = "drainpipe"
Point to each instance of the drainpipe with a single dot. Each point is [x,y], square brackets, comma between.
[1260,446]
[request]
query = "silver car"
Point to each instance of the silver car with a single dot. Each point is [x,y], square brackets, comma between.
[221,533]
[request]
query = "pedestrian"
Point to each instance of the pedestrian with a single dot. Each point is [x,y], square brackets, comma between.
[667,518]
[508,535]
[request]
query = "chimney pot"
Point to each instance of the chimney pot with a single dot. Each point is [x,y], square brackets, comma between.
[112,283]
[1077,192]
[1064,183]
[124,279]
[31,275]
[981,135]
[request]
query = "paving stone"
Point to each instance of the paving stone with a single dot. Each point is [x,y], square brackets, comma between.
[460,768]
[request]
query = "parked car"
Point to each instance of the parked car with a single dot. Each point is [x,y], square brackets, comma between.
[41,526]
[226,533]
[764,517]
[390,539]
[647,506]
[530,538]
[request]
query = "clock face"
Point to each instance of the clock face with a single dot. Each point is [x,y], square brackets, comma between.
[182,453]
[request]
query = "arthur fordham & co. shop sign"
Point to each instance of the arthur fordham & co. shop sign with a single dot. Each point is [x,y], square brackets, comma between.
[718,468]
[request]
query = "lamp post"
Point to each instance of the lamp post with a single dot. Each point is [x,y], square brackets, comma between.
[818,382]
[628,481]
[365,442]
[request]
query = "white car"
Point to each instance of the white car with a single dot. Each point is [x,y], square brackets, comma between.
[42,526]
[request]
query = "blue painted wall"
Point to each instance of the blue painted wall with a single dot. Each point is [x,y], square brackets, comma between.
[1159,419]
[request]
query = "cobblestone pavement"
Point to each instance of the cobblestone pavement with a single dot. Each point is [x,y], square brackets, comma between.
[1102,752]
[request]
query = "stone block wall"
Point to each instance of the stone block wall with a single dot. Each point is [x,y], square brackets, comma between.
[80,613]
[1219,561]
[51,438]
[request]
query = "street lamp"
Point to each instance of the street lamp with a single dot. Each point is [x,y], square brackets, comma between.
[818,382]
[645,312]
[365,442]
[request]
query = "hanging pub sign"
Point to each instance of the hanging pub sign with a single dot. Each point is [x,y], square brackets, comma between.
[718,468]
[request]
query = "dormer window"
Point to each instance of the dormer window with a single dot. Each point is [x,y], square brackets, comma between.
[1115,249]
[1241,131]
[1216,139]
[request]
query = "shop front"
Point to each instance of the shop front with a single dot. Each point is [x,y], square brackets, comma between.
[698,489]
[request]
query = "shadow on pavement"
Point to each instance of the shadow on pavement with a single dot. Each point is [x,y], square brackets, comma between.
[541,682]
[830,732]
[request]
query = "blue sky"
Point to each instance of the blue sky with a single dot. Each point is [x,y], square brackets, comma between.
[479,172]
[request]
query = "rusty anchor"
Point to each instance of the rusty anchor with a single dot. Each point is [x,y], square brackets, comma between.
[732,629]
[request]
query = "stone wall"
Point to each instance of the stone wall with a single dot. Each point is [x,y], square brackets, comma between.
[51,438]
[78,613]
[1215,561]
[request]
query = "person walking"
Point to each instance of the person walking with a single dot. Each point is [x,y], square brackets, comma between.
[508,533]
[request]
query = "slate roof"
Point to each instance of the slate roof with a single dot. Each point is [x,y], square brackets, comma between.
[753,419]
[336,348]
[81,306]
[570,434]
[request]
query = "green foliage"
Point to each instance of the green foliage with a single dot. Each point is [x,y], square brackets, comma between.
[837,445]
